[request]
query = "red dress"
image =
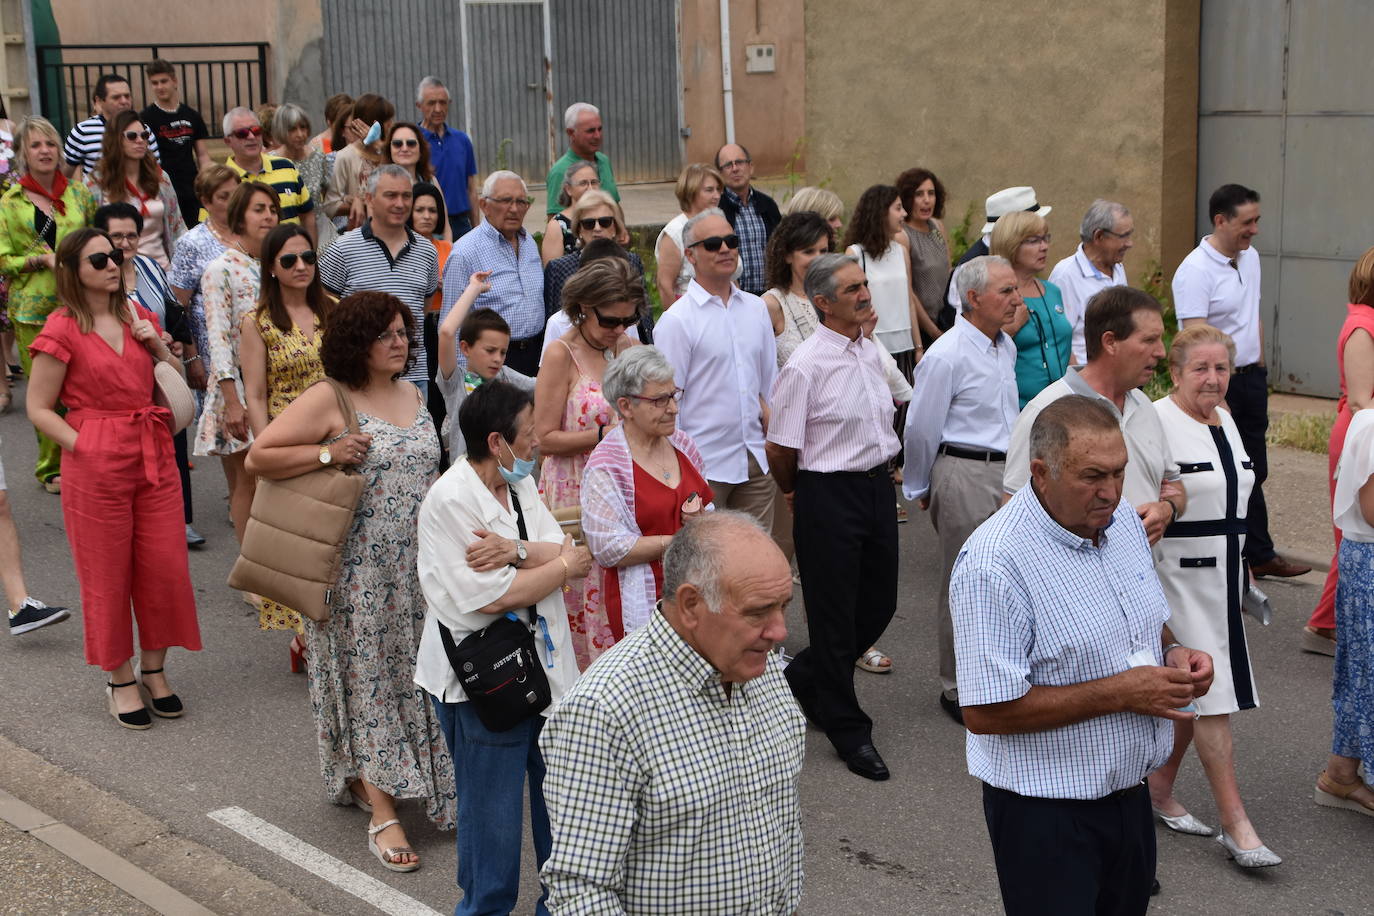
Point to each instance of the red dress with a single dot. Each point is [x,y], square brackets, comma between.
[658,511]
[121,497]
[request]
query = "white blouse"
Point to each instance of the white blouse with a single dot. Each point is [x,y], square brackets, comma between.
[1352,472]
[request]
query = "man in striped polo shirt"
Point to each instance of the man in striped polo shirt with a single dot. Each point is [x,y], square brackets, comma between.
[81,151]
[243,133]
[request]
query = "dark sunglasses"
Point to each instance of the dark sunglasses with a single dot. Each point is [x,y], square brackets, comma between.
[591,222]
[399,142]
[288,261]
[144,135]
[243,133]
[713,243]
[609,321]
[101,259]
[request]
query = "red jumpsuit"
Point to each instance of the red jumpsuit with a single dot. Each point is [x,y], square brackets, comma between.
[121,497]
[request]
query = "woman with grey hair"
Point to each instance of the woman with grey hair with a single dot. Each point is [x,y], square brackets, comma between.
[641,484]
[291,128]
[560,236]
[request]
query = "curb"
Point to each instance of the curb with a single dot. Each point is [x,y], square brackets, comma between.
[100,861]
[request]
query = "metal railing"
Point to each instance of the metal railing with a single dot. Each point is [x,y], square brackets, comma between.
[237,75]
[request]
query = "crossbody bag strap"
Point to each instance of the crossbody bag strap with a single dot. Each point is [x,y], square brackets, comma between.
[524,536]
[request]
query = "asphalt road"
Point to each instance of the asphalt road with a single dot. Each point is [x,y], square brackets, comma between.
[916,844]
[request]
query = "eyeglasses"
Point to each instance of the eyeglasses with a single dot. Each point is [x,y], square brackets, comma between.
[243,133]
[145,135]
[1038,239]
[101,259]
[613,321]
[1119,235]
[735,164]
[123,238]
[662,400]
[389,336]
[586,183]
[713,242]
[591,222]
[510,201]
[289,260]
[408,143]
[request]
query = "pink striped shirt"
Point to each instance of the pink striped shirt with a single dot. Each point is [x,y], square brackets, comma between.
[831,403]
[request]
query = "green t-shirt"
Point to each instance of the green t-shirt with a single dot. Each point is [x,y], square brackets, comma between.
[554,183]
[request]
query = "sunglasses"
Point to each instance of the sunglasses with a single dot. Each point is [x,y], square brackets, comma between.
[400,142]
[288,261]
[243,133]
[713,243]
[101,259]
[591,222]
[144,135]
[610,321]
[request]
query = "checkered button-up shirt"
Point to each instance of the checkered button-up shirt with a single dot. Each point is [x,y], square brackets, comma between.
[665,795]
[1036,605]
[753,239]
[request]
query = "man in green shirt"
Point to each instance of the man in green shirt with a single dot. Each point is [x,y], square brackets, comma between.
[583,124]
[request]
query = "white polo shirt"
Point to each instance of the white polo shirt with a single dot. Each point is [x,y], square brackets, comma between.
[1227,294]
[1079,280]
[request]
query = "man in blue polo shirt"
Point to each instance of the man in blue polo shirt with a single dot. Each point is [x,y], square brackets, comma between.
[451,155]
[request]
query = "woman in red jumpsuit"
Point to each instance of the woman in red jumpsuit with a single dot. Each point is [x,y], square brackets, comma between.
[121,494]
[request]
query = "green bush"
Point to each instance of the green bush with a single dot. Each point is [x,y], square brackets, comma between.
[1152,281]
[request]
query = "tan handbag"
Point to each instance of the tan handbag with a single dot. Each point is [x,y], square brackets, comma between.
[171,391]
[294,538]
[569,518]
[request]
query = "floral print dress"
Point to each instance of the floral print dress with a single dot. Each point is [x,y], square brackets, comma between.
[560,481]
[194,252]
[373,722]
[230,287]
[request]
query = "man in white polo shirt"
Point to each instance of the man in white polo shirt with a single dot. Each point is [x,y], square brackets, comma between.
[1219,284]
[1106,235]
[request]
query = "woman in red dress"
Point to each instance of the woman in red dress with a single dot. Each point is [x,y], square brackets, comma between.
[641,484]
[121,494]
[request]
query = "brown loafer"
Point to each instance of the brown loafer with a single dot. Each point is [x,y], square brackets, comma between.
[1280,567]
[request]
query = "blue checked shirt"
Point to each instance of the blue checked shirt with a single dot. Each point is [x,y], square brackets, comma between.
[667,796]
[1036,605]
[517,278]
[753,239]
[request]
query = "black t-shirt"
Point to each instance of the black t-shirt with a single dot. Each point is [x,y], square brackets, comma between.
[177,133]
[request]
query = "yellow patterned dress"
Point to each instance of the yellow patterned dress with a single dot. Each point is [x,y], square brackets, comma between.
[293,365]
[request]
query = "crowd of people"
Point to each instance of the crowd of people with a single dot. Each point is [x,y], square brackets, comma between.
[623,506]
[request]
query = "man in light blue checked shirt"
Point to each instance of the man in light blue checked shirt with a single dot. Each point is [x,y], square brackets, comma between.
[1068,674]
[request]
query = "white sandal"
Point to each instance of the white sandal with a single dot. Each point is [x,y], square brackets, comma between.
[872,659]
[386,857]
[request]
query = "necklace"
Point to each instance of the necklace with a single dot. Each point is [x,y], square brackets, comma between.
[664,471]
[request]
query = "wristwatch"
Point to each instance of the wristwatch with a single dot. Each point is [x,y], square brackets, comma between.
[325,457]
[521,554]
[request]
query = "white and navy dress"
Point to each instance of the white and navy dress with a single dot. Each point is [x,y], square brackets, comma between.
[1199,557]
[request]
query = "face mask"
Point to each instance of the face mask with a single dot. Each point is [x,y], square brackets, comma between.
[522,468]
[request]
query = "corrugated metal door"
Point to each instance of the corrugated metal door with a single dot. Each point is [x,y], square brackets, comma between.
[389,47]
[1277,114]
[506,85]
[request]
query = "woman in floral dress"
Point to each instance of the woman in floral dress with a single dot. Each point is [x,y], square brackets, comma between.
[571,414]
[195,250]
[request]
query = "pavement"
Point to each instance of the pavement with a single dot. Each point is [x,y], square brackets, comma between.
[225,806]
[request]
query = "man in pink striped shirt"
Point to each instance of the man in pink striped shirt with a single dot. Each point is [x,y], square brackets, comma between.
[828,446]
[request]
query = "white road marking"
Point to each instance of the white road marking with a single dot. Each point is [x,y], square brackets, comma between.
[320,863]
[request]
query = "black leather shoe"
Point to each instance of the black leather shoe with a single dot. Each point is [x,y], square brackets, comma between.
[867,763]
[1154,888]
[952,709]
[1280,567]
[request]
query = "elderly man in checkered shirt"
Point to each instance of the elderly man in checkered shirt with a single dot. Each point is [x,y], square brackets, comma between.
[672,764]
[1068,674]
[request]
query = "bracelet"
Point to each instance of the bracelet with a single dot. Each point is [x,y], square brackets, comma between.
[1169,648]
[187,362]
[600,432]
[1173,512]
[567,571]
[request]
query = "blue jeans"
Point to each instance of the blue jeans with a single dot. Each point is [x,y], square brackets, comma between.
[489,769]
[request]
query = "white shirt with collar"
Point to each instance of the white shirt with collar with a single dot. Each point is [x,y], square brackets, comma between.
[456,506]
[964,394]
[725,358]
[1079,280]
[1211,286]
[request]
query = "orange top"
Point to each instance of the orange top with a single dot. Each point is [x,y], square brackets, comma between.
[443,247]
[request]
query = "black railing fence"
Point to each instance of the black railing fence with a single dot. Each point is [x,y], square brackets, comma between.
[213,77]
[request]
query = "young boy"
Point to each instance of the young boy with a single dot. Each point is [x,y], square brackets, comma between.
[180,133]
[482,337]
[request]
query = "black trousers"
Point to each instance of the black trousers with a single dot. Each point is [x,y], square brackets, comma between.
[1248,399]
[184,469]
[435,401]
[846,538]
[523,355]
[1072,858]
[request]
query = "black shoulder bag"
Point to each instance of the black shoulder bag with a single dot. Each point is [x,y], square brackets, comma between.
[498,666]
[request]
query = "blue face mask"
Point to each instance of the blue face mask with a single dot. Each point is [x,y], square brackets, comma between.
[521,469]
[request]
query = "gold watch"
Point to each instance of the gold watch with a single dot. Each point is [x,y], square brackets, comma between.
[325,457]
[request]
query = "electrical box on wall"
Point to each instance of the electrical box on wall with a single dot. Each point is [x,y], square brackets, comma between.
[760,58]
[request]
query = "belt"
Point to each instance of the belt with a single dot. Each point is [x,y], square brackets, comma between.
[149,419]
[1110,796]
[878,470]
[973,454]
[1242,370]
[526,343]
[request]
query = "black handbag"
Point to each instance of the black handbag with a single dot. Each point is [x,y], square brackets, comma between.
[498,666]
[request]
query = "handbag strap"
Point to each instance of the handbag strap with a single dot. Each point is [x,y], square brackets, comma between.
[345,406]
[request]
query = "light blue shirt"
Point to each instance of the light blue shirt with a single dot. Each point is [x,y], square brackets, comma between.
[517,278]
[1036,605]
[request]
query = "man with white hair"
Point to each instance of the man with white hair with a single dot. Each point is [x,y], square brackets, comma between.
[1007,200]
[243,134]
[501,245]
[1105,237]
[450,154]
[958,429]
[582,122]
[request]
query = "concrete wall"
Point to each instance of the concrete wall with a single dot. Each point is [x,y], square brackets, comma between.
[770,108]
[1079,99]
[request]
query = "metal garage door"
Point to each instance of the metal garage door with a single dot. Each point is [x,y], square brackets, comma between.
[1286,107]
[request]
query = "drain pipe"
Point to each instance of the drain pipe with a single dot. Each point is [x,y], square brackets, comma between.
[727,82]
